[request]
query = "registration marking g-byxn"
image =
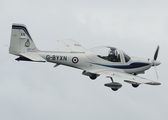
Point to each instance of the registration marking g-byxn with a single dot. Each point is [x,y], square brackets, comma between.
[55,57]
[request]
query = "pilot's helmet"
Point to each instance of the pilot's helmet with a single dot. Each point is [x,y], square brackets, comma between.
[111,53]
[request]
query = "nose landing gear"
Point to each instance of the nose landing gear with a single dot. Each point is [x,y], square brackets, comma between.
[113,85]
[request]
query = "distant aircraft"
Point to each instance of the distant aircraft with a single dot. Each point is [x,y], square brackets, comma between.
[113,62]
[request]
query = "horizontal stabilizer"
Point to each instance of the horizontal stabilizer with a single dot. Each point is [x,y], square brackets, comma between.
[32,57]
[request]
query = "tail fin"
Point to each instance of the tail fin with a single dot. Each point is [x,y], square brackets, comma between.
[21,40]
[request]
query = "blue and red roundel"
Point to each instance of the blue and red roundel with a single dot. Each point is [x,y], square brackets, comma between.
[75,60]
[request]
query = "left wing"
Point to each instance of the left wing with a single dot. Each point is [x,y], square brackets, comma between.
[72,45]
[129,78]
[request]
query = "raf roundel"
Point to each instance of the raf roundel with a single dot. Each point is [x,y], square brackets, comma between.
[75,60]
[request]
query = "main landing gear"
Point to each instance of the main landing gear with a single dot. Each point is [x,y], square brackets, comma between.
[93,76]
[113,85]
[135,85]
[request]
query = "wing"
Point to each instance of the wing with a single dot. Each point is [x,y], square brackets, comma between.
[72,45]
[129,78]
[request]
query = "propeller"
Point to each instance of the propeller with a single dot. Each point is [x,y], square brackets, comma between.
[156,73]
[156,53]
[156,62]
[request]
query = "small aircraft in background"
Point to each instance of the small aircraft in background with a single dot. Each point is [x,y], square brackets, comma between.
[104,60]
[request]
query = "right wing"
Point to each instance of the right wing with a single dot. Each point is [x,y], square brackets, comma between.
[129,78]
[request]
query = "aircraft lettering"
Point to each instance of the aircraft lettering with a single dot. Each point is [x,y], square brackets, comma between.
[55,57]
[77,44]
[60,57]
[31,49]
[22,34]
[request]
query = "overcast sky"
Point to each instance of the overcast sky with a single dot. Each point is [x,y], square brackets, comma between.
[38,91]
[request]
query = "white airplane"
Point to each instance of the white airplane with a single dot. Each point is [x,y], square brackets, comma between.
[114,63]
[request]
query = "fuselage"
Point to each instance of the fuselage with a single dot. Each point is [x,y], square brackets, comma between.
[88,60]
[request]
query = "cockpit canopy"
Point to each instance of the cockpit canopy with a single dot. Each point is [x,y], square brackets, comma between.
[111,54]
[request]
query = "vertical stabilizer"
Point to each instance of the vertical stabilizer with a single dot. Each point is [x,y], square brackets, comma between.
[21,40]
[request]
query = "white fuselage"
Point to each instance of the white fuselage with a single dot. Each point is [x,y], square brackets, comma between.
[88,60]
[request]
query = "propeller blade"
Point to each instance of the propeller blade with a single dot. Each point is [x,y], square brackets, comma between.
[156,53]
[156,73]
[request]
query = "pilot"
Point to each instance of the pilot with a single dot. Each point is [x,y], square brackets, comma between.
[112,57]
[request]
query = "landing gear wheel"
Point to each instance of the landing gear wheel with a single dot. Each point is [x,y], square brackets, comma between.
[113,85]
[93,76]
[135,85]
[114,89]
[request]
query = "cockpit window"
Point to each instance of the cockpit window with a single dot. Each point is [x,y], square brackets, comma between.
[112,55]
[126,57]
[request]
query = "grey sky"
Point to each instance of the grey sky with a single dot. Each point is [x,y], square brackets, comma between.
[39,91]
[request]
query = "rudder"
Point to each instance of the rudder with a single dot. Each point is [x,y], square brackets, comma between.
[21,40]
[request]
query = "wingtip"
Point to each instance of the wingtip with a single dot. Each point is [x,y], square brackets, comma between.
[154,83]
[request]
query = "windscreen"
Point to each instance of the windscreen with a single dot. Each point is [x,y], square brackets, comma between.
[126,57]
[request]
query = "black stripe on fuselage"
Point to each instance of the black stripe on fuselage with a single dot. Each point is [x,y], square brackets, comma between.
[131,66]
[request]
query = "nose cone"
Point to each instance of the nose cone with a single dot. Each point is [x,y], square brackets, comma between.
[156,63]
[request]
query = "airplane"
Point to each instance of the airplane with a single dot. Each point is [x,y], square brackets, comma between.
[103,60]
